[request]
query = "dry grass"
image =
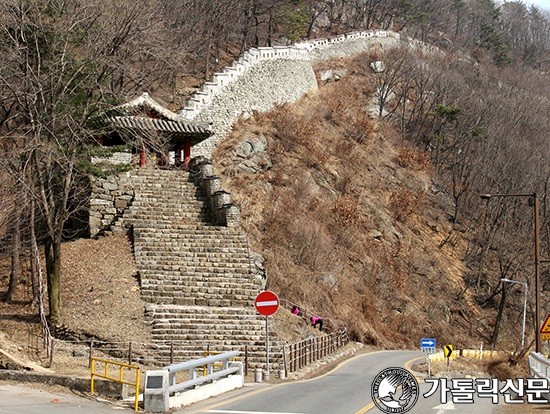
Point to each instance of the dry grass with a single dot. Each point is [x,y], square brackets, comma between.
[501,367]
[344,198]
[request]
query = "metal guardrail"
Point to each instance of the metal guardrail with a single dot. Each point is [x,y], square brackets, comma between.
[206,353]
[305,352]
[193,365]
[538,365]
[119,379]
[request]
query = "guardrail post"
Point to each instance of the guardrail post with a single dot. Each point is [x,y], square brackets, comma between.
[284,361]
[293,360]
[51,353]
[246,359]
[91,350]
[130,353]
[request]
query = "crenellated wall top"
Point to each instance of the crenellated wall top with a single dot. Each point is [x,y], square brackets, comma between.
[298,51]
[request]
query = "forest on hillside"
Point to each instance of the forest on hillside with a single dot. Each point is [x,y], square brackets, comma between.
[479,114]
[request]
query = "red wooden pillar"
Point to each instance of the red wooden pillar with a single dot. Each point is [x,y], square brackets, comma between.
[143,156]
[178,154]
[186,153]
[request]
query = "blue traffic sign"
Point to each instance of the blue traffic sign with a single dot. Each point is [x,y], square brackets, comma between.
[428,343]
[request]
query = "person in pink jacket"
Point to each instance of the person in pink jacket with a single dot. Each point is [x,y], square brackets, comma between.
[317,321]
[295,310]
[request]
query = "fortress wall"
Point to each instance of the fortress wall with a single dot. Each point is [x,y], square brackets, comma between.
[263,77]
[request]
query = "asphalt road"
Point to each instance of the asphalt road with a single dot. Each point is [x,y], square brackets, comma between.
[344,390]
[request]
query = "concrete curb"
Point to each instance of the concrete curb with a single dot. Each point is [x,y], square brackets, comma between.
[101,386]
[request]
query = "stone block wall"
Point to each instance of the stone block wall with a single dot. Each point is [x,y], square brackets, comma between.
[260,88]
[116,158]
[110,199]
[263,77]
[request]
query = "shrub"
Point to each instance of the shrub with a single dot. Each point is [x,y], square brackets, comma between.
[346,212]
[291,128]
[413,158]
[405,202]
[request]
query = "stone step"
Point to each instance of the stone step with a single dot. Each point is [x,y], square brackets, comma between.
[238,339]
[159,245]
[198,310]
[229,274]
[185,265]
[194,237]
[228,292]
[204,292]
[194,274]
[183,199]
[174,186]
[221,249]
[183,328]
[169,217]
[189,286]
[204,228]
[159,207]
[192,283]
[175,229]
[170,325]
[194,254]
[209,228]
[187,261]
[194,301]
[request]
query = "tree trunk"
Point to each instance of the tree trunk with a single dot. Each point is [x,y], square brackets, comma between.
[34,261]
[499,317]
[53,263]
[55,297]
[15,256]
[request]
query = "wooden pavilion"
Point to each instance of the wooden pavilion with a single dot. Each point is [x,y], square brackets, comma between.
[146,115]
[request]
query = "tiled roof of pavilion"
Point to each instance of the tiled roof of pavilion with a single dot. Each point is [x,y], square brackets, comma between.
[167,120]
[179,126]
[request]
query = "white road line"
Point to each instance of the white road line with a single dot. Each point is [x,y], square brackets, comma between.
[444,407]
[245,412]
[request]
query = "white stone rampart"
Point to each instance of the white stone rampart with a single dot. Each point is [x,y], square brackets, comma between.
[116,158]
[263,77]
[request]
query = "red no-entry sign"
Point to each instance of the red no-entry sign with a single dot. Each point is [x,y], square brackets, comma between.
[267,303]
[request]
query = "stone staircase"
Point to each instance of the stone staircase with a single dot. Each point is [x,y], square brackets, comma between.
[195,275]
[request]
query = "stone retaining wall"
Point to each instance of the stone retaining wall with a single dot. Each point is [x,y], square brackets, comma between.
[110,199]
[116,158]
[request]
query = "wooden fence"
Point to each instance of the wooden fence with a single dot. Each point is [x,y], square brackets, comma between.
[300,354]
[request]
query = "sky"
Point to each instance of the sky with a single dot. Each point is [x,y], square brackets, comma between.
[543,4]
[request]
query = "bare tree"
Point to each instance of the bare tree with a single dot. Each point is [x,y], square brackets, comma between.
[62,65]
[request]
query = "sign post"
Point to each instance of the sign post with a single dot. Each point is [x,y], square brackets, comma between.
[428,347]
[448,355]
[267,303]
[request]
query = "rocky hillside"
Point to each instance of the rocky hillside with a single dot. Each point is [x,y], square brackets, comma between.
[349,219]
